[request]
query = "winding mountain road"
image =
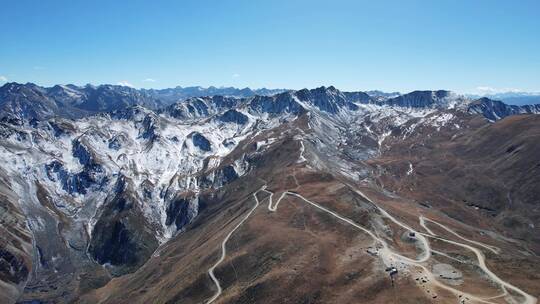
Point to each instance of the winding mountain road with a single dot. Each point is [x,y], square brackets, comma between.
[493,249]
[482,264]
[224,249]
[386,254]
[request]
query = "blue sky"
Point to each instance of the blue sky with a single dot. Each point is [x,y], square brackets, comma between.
[353,45]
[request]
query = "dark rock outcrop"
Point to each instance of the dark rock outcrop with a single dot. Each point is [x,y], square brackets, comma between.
[182,210]
[233,116]
[199,141]
[122,237]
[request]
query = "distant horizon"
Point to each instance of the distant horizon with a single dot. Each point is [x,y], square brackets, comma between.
[481,94]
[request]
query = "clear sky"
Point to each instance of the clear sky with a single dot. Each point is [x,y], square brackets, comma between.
[353,45]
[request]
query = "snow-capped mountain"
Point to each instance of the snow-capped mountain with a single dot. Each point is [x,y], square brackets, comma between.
[107,175]
[29,101]
[26,101]
[181,93]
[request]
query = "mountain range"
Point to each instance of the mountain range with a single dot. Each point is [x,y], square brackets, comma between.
[110,194]
[30,101]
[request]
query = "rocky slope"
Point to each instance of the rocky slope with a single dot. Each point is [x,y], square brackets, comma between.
[149,195]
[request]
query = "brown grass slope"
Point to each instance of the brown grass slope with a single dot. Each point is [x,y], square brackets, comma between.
[485,174]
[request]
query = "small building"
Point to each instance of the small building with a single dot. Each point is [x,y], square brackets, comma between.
[391,270]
